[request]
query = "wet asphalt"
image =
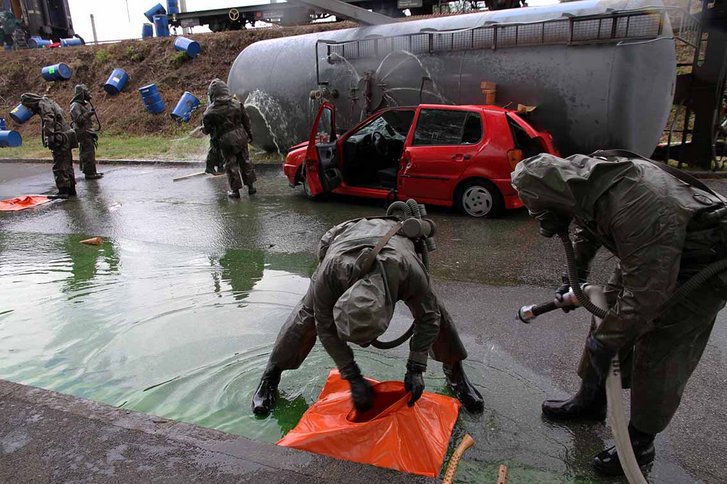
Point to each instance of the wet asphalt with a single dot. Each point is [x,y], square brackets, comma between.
[484,270]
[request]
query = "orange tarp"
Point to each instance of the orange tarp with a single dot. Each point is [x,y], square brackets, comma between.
[391,434]
[19,203]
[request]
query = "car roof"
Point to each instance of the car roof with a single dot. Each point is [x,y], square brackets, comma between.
[483,107]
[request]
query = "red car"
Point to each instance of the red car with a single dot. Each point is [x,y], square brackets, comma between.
[459,156]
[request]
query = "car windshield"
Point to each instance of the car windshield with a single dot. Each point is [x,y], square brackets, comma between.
[391,124]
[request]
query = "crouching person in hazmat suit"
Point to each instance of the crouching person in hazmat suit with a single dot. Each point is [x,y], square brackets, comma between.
[228,125]
[58,136]
[664,227]
[348,303]
[82,113]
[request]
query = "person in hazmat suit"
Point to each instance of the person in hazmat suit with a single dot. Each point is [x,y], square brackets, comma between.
[351,299]
[58,136]
[664,227]
[228,125]
[82,114]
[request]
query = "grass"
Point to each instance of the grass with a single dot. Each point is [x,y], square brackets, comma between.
[134,148]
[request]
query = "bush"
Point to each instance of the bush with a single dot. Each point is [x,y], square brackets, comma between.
[102,56]
[178,58]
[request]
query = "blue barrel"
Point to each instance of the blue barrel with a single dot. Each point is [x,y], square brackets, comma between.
[3,124]
[20,114]
[147,30]
[152,99]
[172,7]
[116,81]
[72,42]
[56,72]
[36,42]
[189,46]
[161,25]
[155,10]
[10,139]
[185,107]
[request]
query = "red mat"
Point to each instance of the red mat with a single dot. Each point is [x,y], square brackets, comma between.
[20,203]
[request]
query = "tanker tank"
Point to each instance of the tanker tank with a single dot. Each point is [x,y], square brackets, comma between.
[601,74]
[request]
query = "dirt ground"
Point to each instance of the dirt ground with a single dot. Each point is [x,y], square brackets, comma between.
[146,61]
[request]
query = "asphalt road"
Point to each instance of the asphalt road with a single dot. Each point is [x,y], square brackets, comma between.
[484,270]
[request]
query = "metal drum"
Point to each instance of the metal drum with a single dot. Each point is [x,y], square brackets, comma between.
[56,72]
[20,114]
[157,9]
[185,107]
[172,7]
[152,99]
[189,46]
[147,30]
[116,81]
[10,139]
[161,25]
[72,42]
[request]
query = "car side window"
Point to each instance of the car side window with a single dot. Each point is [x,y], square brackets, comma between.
[445,127]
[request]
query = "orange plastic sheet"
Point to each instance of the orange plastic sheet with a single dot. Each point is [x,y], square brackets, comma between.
[20,203]
[391,434]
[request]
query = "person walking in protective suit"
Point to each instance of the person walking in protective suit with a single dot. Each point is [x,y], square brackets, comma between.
[663,226]
[82,114]
[58,137]
[228,125]
[346,303]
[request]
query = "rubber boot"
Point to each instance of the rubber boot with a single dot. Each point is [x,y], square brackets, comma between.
[462,387]
[94,176]
[233,193]
[72,191]
[267,391]
[61,195]
[607,462]
[588,404]
[251,190]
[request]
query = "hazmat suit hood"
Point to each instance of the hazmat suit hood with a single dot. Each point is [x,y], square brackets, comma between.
[31,101]
[364,311]
[569,186]
[218,90]
[81,94]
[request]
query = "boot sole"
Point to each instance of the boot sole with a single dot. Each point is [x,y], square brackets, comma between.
[611,472]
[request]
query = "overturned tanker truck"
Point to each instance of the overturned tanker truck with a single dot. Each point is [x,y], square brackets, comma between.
[600,73]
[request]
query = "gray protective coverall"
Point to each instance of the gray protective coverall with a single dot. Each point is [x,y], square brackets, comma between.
[82,115]
[228,125]
[54,133]
[406,279]
[650,220]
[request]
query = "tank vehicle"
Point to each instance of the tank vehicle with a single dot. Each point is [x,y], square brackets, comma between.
[601,74]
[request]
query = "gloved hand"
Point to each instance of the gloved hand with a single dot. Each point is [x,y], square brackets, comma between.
[600,356]
[414,381]
[551,223]
[361,393]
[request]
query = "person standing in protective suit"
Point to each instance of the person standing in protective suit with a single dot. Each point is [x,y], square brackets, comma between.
[228,125]
[58,137]
[82,114]
[345,303]
[664,227]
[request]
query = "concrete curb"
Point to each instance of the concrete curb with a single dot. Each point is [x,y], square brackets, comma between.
[49,436]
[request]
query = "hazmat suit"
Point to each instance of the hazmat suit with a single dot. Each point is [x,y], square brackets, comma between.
[346,304]
[228,125]
[82,114]
[660,229]
[58,136]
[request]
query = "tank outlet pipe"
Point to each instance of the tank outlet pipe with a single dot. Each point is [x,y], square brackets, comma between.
[527,314]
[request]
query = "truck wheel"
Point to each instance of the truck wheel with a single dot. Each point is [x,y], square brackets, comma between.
[479,198]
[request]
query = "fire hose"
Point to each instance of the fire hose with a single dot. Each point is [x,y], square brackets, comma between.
[579,296]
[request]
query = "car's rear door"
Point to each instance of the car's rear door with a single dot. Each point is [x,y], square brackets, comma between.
[322,173]
[439,147]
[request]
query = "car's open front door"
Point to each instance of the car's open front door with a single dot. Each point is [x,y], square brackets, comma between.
[322,173]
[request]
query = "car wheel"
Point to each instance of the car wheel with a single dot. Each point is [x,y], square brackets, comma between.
[479,198]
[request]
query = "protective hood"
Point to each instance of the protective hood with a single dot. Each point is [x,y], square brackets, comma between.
[568,187]
[31,101]
[81,94]
[218,90]
[364,311]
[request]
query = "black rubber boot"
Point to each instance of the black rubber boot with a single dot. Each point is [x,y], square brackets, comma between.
[233,193]
[94,176]
[251,190]
[462,387]
[588,404]
[72,191]
[608,463]
[267,391]
[61,195]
